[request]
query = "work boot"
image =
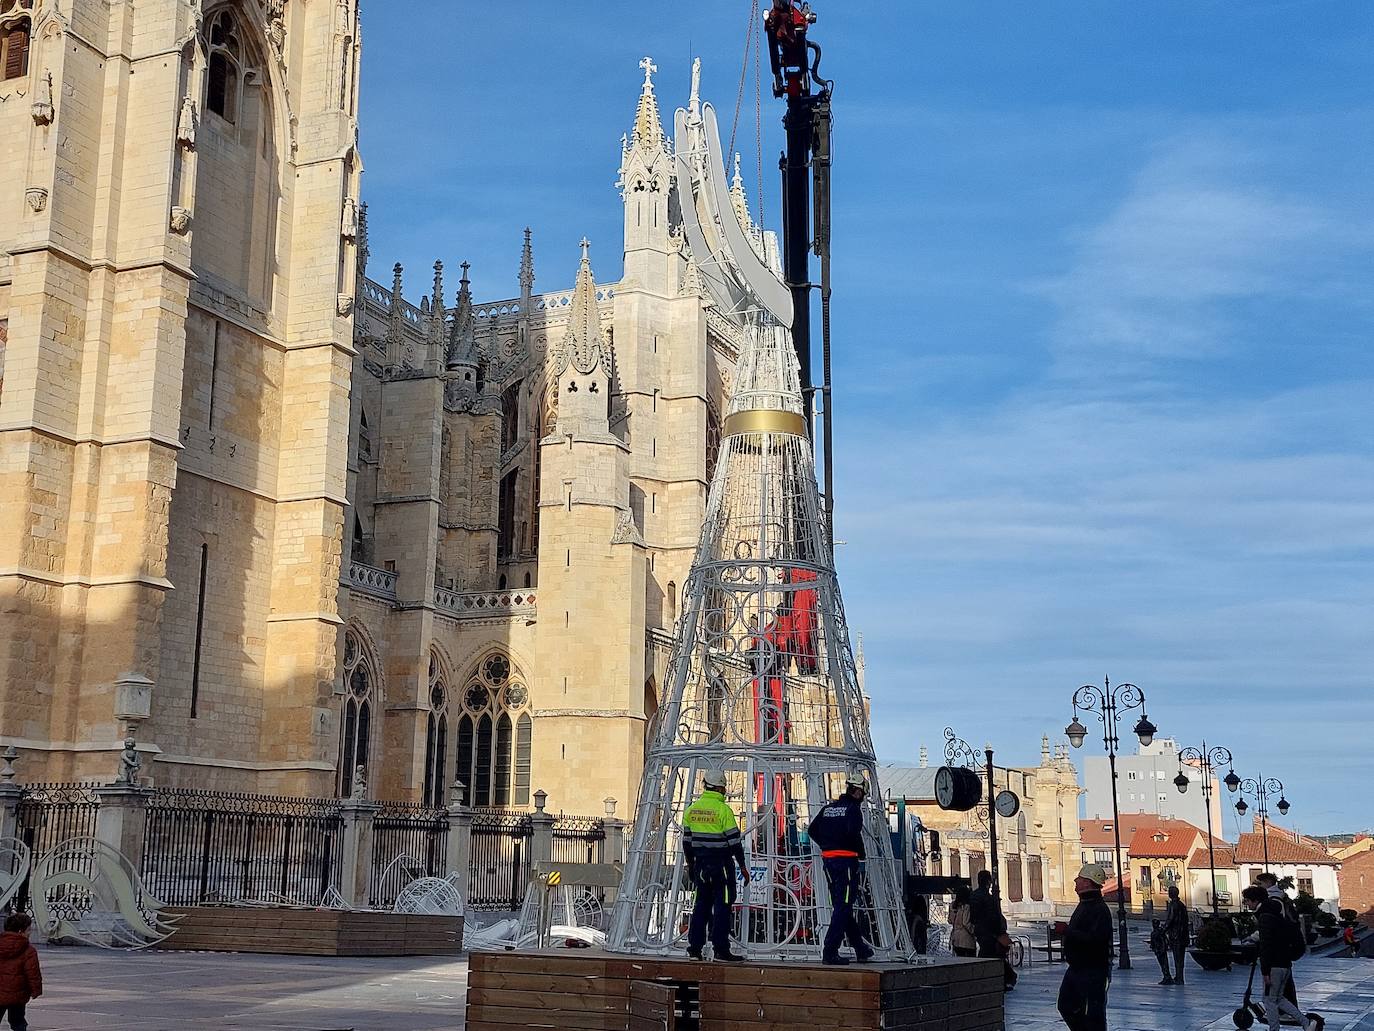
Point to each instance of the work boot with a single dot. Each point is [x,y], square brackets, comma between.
[727,956]
[694,954]
[835,960]
[863,955]
[1167,980]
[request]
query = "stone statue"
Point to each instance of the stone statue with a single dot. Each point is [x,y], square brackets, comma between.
[359,792]
[186,123]
[129,764]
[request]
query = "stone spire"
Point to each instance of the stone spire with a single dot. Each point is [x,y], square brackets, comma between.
[648,130]
[583,346]
[397,347]
[363,251]
[741,203]
[462,341]
[527,266]
[1044,749]
[436,310]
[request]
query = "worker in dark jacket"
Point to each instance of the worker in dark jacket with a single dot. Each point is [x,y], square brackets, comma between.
[1088,952]
[990,926]
[1277,939]
[837,831]
[712,846]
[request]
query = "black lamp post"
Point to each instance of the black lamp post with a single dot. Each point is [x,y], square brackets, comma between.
[960,752]
[1259,788]
[1207,760]
[1109,703]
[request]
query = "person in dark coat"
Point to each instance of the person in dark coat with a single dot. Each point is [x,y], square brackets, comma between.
[837,831]
[1159,945]
[21,981]
[1277,937]
[990,927]
[1176,932]
[1088,953]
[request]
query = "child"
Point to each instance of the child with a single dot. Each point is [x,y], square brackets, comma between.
[20,978]
[1159,945]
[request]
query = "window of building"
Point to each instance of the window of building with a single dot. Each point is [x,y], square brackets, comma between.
[505,519]
[1104,856]
[510,417]
[355,735]
[16,32]
[1304,881]
[1132,775]
[226,55]
[1035,867]
[495,734]
[1014,890]
[436,735]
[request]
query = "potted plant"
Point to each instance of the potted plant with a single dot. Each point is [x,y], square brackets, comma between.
[1212,946]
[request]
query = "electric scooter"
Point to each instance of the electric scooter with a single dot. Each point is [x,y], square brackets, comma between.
[1249,1011]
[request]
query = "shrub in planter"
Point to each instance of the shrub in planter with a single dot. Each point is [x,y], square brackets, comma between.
[1213,936]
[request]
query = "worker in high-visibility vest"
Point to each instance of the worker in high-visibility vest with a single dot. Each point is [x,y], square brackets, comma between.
[837,831]
[712,845]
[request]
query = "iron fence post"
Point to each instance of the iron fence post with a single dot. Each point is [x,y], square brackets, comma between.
[122,819]
[459,846]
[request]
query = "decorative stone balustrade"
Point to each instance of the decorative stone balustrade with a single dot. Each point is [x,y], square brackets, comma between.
[370,580]
[478,604]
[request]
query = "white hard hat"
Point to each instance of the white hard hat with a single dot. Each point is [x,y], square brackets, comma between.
[856,780]
[714,779]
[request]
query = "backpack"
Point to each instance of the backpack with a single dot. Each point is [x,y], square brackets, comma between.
[1297,940]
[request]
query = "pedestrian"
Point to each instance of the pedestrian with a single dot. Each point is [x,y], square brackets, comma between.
[1348,940]
[1159,945]
[1270,883]
[1088,953]
[21,981]
[712,846]
[837,831]
[961,939]
[917,910]
[1277,946]
[990,927]
[1176,931]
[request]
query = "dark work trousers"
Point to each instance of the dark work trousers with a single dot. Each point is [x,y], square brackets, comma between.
[991,948]
[15,1011]
[1180,949]
[715,884]
[842,875]
[1083,998]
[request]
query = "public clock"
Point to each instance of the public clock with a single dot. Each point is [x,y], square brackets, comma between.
[944,787]
[1008,805]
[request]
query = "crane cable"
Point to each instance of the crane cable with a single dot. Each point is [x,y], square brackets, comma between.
[753,41]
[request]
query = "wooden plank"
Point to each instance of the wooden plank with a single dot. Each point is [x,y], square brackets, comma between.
[526,1016]
[521,999]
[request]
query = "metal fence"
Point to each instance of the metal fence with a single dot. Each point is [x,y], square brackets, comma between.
[46,816]
[578,839]
[210,846]
[499,862]
[408,841]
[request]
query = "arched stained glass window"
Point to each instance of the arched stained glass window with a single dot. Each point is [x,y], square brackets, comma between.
[495,734]
[436,736]
[355,723]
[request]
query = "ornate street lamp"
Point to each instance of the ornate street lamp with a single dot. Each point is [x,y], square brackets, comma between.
[959,752]
[1109,703]
[1260,789]
[1208,760]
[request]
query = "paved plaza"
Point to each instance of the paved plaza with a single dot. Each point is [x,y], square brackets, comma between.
[88,988]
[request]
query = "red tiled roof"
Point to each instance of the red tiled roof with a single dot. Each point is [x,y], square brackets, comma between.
[1225,857]
[1172,839]
[1099,833]
[1282,849]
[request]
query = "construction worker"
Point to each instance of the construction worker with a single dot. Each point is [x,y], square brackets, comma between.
[837,831]
[713,846]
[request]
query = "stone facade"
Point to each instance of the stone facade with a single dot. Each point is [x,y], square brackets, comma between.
[174,394]
[333,528]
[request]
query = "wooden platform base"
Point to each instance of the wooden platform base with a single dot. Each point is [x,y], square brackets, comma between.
[313,932]
[586,988]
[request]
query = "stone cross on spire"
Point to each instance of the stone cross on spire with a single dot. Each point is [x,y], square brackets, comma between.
[648,131]
[649,68]
[586,246]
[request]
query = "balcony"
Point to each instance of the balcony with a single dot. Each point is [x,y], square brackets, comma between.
[365,579]
[484,604]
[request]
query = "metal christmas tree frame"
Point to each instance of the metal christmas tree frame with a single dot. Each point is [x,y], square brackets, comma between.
[762,685]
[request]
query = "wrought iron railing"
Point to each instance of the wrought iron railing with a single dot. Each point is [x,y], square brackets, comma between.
[499,861]
[417,833]
[210,846]
[371,580]
[47,815]
[578,839]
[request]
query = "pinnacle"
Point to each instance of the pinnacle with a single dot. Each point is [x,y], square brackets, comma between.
[648,130]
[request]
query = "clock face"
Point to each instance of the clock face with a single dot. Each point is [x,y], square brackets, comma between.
[944,787]
[1008,805]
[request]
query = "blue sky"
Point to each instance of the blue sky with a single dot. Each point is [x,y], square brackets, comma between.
[1102,323]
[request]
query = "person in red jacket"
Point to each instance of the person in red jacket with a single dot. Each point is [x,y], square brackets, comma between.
[20,978]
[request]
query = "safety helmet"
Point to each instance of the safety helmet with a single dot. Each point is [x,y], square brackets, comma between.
[715,779]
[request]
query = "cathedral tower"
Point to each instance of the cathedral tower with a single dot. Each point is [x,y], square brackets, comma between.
[177,258]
